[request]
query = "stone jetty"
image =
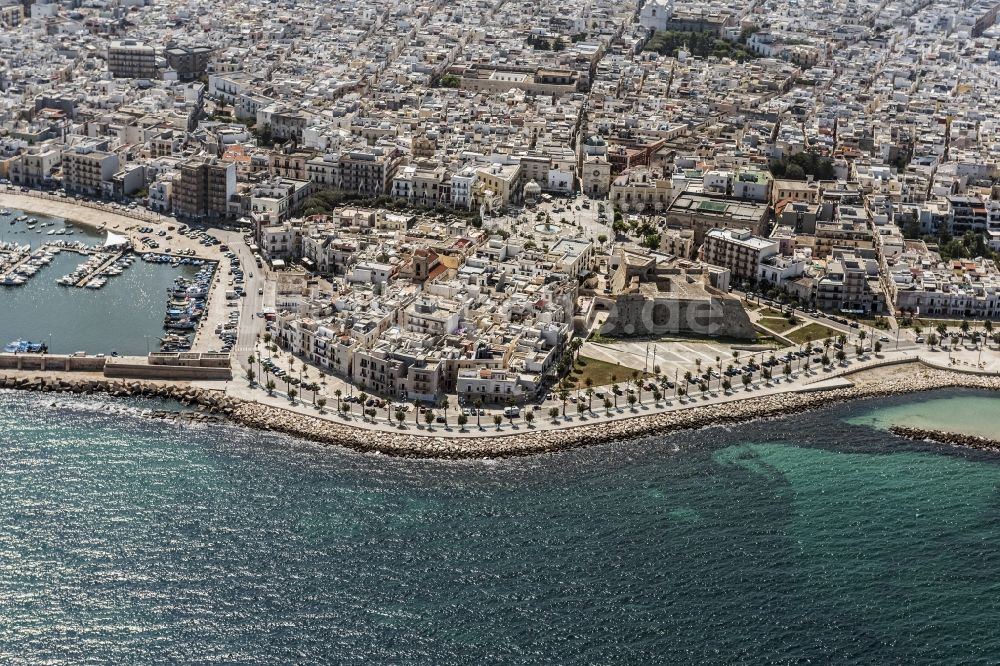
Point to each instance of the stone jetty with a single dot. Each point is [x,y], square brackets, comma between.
[943,437]
[528,441]
[208,403]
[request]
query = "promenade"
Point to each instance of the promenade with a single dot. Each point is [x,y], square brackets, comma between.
[816,380]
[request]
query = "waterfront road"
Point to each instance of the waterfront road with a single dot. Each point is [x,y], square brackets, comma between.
[250,324]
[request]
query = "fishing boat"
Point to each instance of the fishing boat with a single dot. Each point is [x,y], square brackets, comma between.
[180,324]
[26,347]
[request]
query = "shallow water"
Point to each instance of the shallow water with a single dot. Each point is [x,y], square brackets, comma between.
[968,415]
[127,540]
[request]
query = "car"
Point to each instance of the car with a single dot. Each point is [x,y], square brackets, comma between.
[439,419]
[920,338]
[884,338]
[260,292]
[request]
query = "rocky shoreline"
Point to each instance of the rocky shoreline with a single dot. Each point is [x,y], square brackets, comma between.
[210,405]
[503,445]
[943,437]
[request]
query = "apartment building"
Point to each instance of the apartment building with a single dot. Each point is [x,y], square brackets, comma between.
[851,285]
[203,188]
[501,182]
[85,169]
[737,250]
[369,171]
[133,59]
[190,62]
[35,167]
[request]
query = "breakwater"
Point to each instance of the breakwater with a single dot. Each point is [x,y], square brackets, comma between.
[943,437]
[531,441]
[209,404]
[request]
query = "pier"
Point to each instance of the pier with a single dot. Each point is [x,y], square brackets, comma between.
[26,265]
[98,271]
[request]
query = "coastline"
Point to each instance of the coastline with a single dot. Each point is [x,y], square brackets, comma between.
[75,212]
[913,377]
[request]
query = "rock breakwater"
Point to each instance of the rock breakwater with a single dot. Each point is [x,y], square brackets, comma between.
[412,443]
[943,437]
[206,402]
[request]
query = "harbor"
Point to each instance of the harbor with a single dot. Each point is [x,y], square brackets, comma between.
[70,292]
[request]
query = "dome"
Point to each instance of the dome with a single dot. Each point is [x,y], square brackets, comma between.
[595,140]
[531,187]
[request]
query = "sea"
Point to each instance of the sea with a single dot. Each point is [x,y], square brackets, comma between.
[818,538]
[125,316]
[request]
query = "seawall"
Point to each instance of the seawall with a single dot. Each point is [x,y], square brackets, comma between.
[405,443]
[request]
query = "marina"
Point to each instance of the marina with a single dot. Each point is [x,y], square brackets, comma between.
[75,294]
[186,305]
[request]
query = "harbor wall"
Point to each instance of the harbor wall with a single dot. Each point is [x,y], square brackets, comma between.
[52,362]
[194,367]
[159,366]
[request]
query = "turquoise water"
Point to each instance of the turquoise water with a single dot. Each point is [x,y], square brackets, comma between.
[800,540]
[125,316]
[968,415]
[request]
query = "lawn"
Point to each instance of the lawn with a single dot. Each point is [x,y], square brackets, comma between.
[599,371]
[812,332]
[778,324]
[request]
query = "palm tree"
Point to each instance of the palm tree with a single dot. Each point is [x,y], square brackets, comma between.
[270,387]
[250,376]
[416,412]
[590,398]
[615,391]
[338,393]
[445,405]
[564,396]
[478,403]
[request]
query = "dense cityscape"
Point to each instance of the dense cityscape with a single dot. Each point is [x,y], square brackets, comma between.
[613,331]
